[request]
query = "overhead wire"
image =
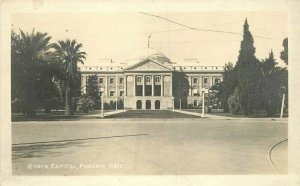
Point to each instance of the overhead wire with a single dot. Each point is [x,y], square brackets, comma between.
[198,29]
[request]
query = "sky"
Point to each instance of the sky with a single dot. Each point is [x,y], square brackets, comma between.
[118,36]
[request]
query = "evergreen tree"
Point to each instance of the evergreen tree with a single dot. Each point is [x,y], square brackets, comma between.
[271,85]
[92,90]
[228,84]
[284,55]
[247,74]
[32,74]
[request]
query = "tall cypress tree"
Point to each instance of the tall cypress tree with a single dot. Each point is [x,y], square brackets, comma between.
[247,74]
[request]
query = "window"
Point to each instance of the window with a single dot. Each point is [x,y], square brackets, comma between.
[101,93]
[139,79]
[121,80]
[157,79]
[111,93]
[101,80]
[195,92]
[122,93]
[195,80]
[205,80]
[111,80]
[148,79]
[217,81]
[195,103]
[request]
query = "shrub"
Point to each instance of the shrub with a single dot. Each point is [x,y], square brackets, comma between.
[233,103]
[85,104]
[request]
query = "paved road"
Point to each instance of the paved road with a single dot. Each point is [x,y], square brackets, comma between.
[147,147]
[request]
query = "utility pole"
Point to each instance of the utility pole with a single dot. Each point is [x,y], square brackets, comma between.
[282,105]
[102,109]
[203,106]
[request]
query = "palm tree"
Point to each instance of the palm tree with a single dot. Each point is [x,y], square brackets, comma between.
[69,54]
[28,55]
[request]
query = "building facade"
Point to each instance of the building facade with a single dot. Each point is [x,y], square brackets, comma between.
[152,81]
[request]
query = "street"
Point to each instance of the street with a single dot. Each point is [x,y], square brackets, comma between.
[181,146]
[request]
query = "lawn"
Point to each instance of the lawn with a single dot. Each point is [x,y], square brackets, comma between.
[56,116]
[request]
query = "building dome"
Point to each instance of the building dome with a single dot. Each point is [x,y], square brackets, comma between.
[148,53]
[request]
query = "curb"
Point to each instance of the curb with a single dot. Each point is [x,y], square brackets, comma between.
[270,154]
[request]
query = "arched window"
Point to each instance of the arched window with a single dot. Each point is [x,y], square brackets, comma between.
[138,104]
[157,104]
[195,103]
[148,104]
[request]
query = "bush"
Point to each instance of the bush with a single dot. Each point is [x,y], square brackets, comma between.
[233,103]
[85,104]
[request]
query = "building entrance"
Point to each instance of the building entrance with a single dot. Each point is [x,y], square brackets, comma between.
[138,104]
[148,104]
[157,104]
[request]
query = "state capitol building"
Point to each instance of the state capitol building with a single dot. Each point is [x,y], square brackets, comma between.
[151,81]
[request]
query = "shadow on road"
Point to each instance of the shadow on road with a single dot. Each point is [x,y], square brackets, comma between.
[45,148]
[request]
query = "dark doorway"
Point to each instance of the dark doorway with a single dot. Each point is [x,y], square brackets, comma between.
[148,104]
[138,104]
[157,104]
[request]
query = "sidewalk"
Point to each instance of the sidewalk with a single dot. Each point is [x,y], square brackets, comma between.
[105,113]
[206,115]
[212,116]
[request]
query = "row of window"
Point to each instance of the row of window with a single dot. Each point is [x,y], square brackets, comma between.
[156,78]
[205,80]
[148,79]
[112,93]
[138,80]
[111,80]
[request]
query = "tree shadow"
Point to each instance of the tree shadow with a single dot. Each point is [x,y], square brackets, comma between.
[50,148]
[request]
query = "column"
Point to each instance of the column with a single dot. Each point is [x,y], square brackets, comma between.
[116,83]
[211,81]
[190,88]
[125,85]
[116,91]
[152,85]
[200,84]
[171,85]
[133,85]
[161,85]
[106,86]
[143,81]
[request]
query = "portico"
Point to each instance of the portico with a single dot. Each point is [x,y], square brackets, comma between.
[148,86]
